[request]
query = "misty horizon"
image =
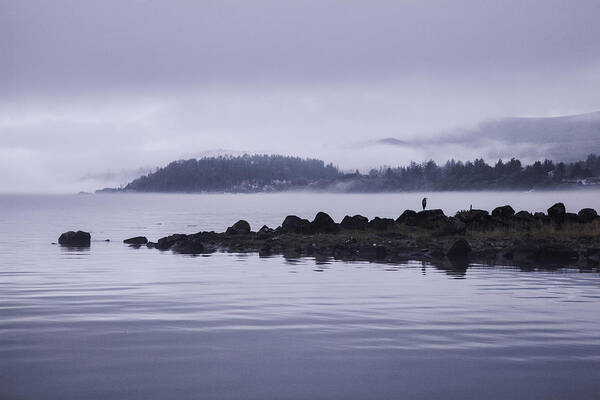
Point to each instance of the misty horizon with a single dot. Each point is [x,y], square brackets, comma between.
[92,93]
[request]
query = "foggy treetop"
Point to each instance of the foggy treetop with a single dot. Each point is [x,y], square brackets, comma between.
[257,173]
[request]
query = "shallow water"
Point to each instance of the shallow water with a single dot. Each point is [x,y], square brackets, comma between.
[119,323]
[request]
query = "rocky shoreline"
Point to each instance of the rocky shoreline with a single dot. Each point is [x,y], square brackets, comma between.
[552,239]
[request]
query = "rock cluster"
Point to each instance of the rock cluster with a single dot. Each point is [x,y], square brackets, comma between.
[554,238]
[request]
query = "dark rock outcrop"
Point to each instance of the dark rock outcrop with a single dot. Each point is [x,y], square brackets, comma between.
[473,216]
[190,245]
[431,219]
[265,233]
[75,239]
[504,212]
[408,217]
[241,227]
[166,242]
[323,223]
[138,240]
[524,216]
[587,215]
[381,224]
[557,212]
[355,222]
[295,224]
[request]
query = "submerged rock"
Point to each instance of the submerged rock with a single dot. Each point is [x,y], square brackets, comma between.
[136,240]
[75,239]
[239,228]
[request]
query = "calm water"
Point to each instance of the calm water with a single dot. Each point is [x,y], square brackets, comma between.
[117,323]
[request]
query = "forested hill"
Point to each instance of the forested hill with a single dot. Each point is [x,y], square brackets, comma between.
[247,173]
[267,173]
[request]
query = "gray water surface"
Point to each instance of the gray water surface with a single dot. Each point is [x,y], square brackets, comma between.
[112,322]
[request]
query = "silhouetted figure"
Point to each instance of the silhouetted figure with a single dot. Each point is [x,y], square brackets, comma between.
[471,207]
[424,202]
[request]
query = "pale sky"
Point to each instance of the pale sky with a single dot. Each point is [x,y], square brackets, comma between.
[92,91]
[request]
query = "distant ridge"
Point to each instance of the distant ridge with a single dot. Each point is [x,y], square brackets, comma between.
[562,138]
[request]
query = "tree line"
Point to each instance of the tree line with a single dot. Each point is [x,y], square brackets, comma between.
[256,173]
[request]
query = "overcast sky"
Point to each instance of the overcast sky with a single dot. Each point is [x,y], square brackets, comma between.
[91,91]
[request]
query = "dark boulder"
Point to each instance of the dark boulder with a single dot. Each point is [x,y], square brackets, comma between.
[239,228]
[431,219]
[139,240]
[459,250]
[381,224]
[323,223]
[503,212]
[453,226]
[408,217]
[166,242]
[557,212]
[265,232]
[572,217]
[587,215]
[294,224]
[473,216]
[75,239]
[355,222]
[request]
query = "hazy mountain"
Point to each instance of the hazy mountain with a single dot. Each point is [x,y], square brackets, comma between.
[565,138]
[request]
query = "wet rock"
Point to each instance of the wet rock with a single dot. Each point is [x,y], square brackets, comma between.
[503,212]
[355,222]
[381,224]
[150,245]
[587,215]
[265,251]
[139,240]
[459,250]
[241,227]
[557,212]
[75,239]
[408,217]
[166,242]
[294,224]
[190,245]
[323,223]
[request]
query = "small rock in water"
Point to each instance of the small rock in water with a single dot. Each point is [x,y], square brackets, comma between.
[75,239]
[136,240]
